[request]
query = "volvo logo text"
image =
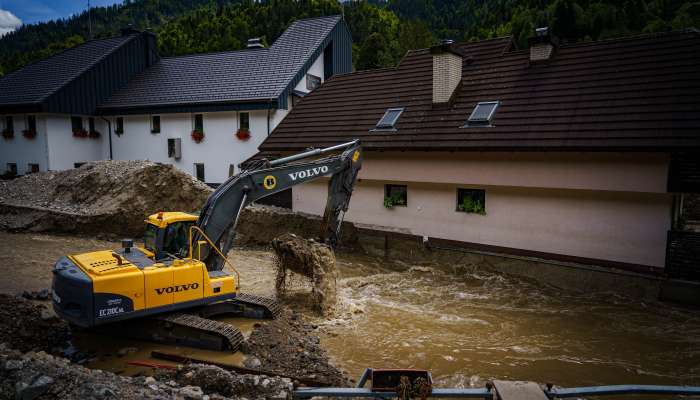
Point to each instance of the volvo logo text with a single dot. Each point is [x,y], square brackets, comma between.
[177,288]
[308,173]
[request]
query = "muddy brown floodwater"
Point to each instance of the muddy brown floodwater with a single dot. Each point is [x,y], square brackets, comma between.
[463,323]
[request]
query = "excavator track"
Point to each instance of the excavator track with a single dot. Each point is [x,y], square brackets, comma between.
[272,306]
[202,331]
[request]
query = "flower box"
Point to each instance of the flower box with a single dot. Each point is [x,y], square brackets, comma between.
[80,133]
[8,134]
[197,136]
[29,134]
[94,134]
[243,134]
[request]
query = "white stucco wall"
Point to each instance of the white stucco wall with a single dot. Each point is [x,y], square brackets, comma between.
[617,225]
[64,149]
[217,151]
[316,69]
[21,150]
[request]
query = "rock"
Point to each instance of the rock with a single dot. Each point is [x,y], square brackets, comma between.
[104,392]
[126,350]
[47,315]
[149,380]
[24,391]
[191,393]
[252,362]
[13,364]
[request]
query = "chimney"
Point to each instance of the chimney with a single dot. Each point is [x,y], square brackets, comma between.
[255,43]
[447,71]
[542,46]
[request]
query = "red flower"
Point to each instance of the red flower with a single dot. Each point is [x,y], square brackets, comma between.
[29,134]
[8,134]
[243,134]
[80,133]
[197,136]
[94,134]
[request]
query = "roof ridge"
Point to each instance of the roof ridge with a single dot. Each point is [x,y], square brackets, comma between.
[634,36]
[216,52]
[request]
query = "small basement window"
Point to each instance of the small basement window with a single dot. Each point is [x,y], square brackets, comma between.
[119,125]
[32,168]
[312,82]
[155,123]
[389,118]
[395,195]
[471,201]
[483,113]
[199,171]
[12,169]
[231,170]
[244,121]
[78,164]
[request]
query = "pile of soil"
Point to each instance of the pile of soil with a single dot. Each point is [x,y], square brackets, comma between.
[97,198]
[312,260]
[32,375]
[25,325]
[288,346]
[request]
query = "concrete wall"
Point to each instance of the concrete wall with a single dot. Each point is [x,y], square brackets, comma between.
[23,151]
[611,207]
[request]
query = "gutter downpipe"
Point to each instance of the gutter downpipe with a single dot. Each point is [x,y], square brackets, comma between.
[109,134]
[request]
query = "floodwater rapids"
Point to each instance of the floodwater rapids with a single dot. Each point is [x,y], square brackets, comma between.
[467,325]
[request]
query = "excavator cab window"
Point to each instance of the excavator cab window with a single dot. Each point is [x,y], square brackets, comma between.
[150,238]
[175,241]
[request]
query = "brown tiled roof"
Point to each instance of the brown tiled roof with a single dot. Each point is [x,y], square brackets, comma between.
[637,93]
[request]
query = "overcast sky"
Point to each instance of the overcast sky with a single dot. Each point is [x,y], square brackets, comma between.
[13,13]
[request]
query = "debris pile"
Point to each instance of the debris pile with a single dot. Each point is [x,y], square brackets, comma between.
[27,326]
[100,197]
[39,375]
[309,259]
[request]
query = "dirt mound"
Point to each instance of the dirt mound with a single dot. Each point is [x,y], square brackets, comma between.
[26,326]
[99,197]
[312,260]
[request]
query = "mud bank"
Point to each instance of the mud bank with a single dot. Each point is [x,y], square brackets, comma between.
[101,197]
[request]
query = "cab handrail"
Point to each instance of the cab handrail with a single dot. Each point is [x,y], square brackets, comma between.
[192,229]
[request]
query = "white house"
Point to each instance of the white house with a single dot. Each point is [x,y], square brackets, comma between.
[117,99]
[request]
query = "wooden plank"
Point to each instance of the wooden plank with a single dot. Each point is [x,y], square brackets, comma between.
[519,390]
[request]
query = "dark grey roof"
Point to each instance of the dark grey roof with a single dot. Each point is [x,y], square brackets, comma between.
[37,81]
[250,75]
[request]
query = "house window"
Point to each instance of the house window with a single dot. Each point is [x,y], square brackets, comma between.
[312,82]
[155,123]
[483,113]
[119,125]
[31,123]
[78,164]
[12,169]
[91,125]
[244,121]
[32,168]
[9,124]
[198,122]
[199,171]
[395,195]
[76,124]
[389,118]
[471,201]
[231,170]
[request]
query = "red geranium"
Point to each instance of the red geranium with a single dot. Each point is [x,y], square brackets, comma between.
[8,134]
[80,133]
[243,134]
[94,134]
[29,134]
[197,136]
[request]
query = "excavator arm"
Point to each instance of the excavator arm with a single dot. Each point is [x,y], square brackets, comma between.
[221,211]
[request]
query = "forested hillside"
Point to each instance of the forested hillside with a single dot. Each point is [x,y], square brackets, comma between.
[382,30]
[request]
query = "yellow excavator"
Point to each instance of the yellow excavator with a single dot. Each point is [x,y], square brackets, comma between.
[167,290]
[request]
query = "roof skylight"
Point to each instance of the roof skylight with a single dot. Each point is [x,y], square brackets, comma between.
[483,113]
[389,118]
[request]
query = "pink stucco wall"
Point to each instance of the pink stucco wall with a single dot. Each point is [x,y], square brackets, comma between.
[611,207]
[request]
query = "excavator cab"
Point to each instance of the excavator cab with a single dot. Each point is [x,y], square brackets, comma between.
[167,234]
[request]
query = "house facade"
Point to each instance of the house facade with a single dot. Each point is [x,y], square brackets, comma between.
[117,99]
[559,152]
